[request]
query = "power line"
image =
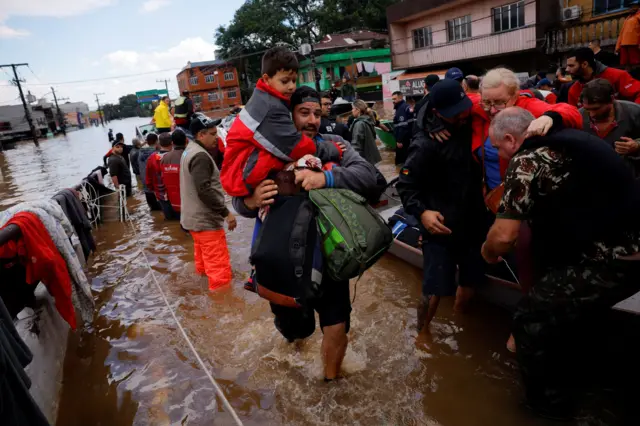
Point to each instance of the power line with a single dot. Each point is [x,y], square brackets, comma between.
[27,108]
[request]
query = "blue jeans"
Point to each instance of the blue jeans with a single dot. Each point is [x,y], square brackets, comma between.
[169,212]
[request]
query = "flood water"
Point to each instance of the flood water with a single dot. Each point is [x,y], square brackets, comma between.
[132,367]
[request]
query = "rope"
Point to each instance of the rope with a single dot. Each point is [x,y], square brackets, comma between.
[217,388]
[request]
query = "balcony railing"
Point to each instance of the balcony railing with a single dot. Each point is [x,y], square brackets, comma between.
[563,39]
[485,45]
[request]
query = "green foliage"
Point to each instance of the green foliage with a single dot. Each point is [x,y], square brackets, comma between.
[127,106]
[260,24]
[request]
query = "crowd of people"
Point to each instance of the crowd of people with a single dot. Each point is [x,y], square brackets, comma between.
[493,169]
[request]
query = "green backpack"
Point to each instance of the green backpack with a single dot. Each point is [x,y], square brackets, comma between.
[353,235]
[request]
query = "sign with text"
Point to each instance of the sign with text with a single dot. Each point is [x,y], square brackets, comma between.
[412,87]
[148,96]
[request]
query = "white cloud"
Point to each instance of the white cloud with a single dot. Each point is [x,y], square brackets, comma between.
[7,32]
[118,64]
[190,49]
[153,5]
[52,8]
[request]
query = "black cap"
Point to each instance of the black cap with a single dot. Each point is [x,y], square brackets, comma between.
[201,122]
[117,142]
[449,99]
[431,80]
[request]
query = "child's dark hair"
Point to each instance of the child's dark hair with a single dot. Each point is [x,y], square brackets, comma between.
[279,58]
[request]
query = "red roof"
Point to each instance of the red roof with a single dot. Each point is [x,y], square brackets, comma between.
[352,39]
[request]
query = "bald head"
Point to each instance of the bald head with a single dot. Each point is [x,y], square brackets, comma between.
[472,83]
[508,130]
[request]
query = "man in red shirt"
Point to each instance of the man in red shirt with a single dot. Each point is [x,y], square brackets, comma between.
[583,67]
[153,177]
[170,172]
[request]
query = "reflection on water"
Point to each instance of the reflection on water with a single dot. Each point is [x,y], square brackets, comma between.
[132,366]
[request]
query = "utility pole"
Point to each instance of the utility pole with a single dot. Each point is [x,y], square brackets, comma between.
[166,84]
[354,69]
[27,111]
[60,117]
[99,109]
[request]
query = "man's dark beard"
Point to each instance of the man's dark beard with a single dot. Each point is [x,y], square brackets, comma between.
[310,128]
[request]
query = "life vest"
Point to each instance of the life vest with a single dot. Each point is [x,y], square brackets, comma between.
[181,108]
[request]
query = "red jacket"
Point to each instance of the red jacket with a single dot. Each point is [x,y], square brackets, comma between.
[153,177]
[551,98]
[262,138]
[42,262]
[626,87]
[170,172]
[571,118]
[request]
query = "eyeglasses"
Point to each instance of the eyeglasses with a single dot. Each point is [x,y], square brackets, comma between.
[497,105]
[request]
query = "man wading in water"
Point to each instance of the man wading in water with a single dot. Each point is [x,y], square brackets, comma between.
[355,173]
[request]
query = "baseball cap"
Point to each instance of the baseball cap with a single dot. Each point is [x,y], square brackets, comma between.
[454,74]
[449,99]
[431,80]
[543,82]
[201,122]
[117,142]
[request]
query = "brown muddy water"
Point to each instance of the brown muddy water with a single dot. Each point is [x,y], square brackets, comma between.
[132,367]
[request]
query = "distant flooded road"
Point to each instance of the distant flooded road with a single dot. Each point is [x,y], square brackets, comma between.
[132,367]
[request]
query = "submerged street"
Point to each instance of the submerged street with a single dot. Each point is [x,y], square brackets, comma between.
[132,367]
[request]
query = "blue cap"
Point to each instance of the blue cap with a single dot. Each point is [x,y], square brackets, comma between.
[454,74]
[543,82]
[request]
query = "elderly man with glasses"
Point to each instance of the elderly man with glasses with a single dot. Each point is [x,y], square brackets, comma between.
[500,89]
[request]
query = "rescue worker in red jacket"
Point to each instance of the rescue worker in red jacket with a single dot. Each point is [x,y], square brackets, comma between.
[583,67]
[153,177]
[500,90]
[170,172]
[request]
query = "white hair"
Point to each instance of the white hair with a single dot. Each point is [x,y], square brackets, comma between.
[511,121]
[499,76]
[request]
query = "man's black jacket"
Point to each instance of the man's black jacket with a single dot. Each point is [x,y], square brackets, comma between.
[445,177]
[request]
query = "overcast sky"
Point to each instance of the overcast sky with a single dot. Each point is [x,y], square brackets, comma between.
[70,40]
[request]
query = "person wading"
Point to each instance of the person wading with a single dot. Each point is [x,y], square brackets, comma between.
[202,205]
[118,167]
[402,126]
[364,134]
[582,205]
[354,173]
[170,170]
[153,175]
[440,185]
[143,157]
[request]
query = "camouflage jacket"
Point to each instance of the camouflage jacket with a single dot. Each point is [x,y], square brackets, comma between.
[536,173]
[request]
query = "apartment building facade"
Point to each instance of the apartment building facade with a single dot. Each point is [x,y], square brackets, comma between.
[472,35]
[581,21]
[213,85]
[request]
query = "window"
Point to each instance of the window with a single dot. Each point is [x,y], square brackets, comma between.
[606,6]
[193,81]
[459,28]
[197,99]
[209,78]
[422,37]
[213,96]
[228,76]
[508,17]
[232,94]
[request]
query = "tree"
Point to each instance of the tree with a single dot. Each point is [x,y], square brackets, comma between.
[261,24]
[341,15]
